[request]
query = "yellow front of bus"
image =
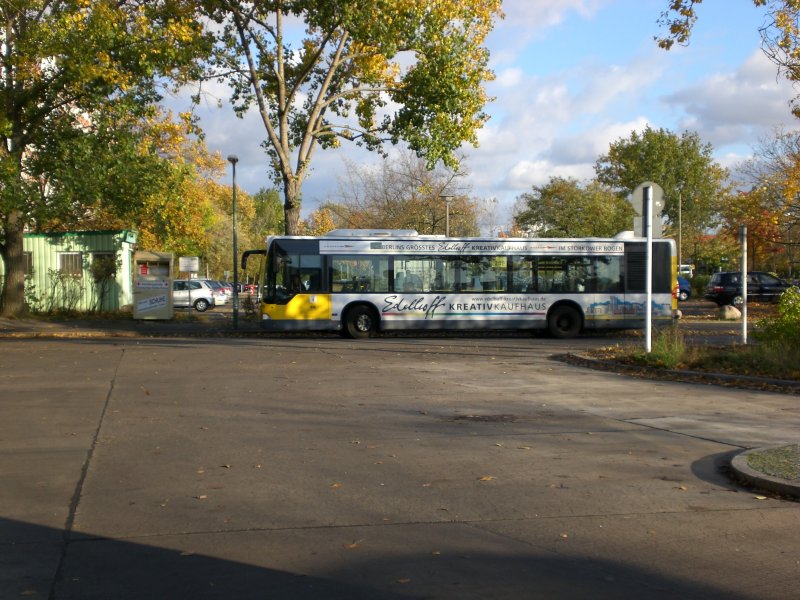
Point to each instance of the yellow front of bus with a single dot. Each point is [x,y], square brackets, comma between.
[302,312]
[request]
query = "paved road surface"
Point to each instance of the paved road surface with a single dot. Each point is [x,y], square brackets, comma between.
[392,468]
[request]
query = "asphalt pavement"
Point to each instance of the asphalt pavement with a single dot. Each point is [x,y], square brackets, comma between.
[186,460]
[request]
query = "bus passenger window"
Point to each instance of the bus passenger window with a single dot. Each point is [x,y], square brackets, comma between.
[608,272]
[354,274]
[523,278]
[412,282]
[414,275]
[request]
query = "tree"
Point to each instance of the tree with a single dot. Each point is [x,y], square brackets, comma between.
[159,179]
[682,165]
[369,72]
[773,177]
[755,209]
[780,33]
[268,217]
[711,252]
[319,222]
[402,193]
[218,239]
[566,208]
[67,66]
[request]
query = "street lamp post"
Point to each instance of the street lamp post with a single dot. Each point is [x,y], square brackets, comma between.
[233,159]
[447,200]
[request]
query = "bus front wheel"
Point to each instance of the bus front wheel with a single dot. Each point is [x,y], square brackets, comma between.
[564,322]
[360,322]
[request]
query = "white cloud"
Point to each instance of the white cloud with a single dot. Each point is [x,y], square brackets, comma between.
[726,108]
[525,174]
[510,77]
[527,19]
[585,147]
[624,84]
[557,126]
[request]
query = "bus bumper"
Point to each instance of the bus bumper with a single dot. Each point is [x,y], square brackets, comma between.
[300,325]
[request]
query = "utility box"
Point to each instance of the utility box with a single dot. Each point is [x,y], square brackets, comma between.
[152,285]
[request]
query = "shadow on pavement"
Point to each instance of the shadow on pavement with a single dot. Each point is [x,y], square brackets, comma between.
[715,469]
[36,561]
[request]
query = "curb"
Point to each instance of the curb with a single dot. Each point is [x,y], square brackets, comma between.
[11,329]
[742,471]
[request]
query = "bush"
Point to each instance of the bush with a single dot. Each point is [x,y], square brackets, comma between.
[668,349]
[699,284]
[784,329]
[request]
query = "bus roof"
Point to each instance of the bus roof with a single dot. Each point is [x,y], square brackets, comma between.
[413,235]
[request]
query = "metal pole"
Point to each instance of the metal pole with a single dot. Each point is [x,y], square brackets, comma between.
[233,159]
[447,200]
[648,227]
[743,240]
[680,231]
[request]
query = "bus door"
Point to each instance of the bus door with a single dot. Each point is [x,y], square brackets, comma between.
[294,287]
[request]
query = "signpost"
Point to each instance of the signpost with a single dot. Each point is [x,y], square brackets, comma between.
[743,242]
[188,264]
[640,207]
[648,202]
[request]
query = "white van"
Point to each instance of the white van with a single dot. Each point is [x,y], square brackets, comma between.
[686,271]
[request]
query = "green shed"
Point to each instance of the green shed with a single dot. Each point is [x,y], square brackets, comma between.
[81,270]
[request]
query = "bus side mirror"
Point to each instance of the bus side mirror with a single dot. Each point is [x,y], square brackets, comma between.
[247,253]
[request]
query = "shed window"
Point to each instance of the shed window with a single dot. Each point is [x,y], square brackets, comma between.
[70,263]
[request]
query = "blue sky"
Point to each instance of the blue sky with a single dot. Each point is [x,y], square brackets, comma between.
[572,77]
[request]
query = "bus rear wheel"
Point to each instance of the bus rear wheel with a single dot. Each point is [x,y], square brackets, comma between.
[361,322]
[564,322]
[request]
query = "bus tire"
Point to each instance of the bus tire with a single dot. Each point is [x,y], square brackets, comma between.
[564,321]
[360,322]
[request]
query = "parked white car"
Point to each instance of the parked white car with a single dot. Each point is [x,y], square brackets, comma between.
[193,293]
[221,293]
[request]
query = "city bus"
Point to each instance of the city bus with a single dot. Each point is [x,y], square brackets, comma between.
[361,282]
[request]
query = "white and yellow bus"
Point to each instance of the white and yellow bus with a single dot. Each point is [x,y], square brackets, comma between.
[361,282]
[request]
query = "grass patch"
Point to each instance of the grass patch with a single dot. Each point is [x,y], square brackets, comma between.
[670,351]
[783,462]
[774,360]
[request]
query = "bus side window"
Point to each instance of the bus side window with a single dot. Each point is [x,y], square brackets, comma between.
[358,274]
[412,282]
[608,273]
[522,274]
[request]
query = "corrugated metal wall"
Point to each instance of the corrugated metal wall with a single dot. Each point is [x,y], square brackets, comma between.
[49,289]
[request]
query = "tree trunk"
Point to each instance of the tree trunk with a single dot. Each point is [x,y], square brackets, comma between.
[291,206]
[13,297]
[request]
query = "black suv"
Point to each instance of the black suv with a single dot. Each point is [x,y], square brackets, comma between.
[726,288]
